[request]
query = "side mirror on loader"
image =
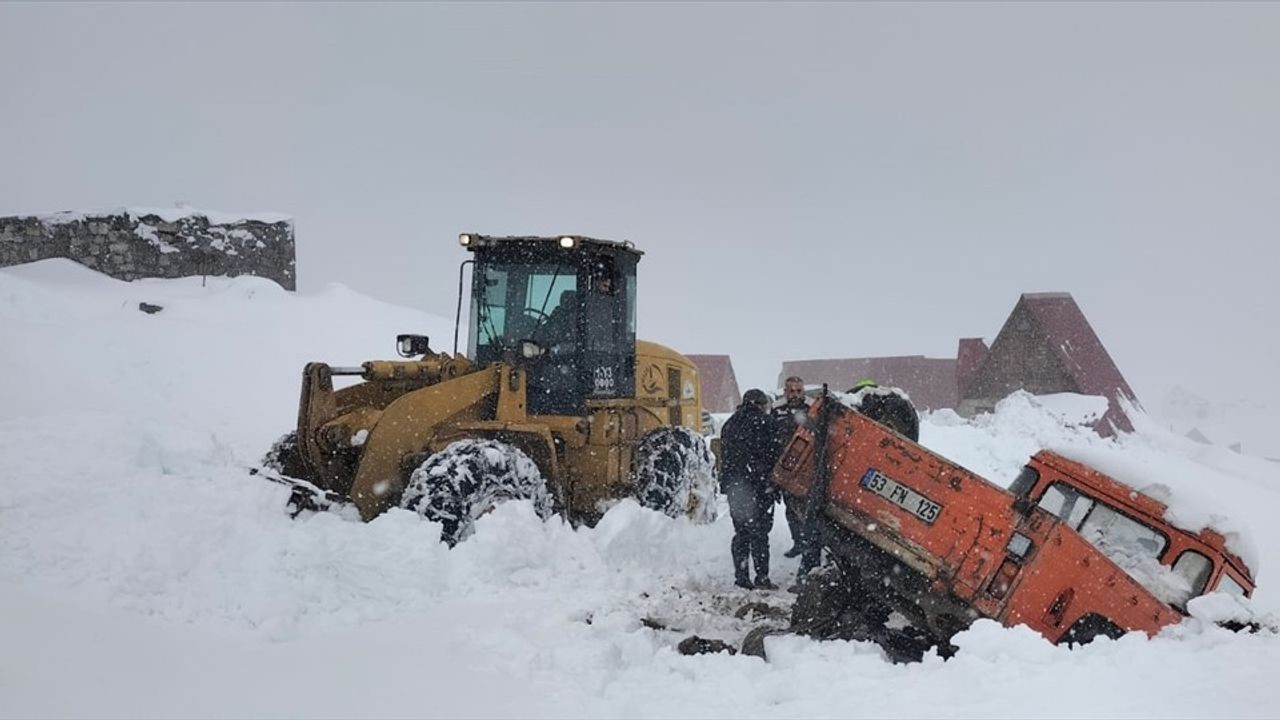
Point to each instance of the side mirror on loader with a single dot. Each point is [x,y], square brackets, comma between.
[412,345]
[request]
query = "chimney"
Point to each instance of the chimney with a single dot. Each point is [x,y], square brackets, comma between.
[969,359]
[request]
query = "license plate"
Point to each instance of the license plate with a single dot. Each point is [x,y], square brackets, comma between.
[901,495]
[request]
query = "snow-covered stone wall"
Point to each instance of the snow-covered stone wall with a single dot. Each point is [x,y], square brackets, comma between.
[133,243]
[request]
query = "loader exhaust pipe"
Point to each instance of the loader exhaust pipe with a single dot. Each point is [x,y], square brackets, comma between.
[457,316]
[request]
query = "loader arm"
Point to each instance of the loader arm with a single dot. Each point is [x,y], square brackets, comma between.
[407,426]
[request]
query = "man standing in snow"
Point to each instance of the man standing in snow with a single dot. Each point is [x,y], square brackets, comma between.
[749,443]
[786,416]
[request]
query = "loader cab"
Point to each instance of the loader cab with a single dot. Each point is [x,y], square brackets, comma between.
[563,308]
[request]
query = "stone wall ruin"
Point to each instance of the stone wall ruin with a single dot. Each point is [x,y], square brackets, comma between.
[135,243]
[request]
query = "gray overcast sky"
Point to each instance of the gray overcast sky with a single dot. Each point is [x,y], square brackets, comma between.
[806,180]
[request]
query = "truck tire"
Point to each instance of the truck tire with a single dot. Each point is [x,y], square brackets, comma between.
[1088,628]
[824,596]
[674,473]
[467,479]
[284,457]
[893,410]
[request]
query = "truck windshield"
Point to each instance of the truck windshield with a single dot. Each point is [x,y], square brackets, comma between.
[519,301]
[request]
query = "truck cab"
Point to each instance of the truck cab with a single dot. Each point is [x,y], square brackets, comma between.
[1130,528]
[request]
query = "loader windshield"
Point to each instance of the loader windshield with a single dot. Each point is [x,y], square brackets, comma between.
[515,302]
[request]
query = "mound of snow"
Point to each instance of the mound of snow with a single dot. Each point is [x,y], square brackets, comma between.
[141,566]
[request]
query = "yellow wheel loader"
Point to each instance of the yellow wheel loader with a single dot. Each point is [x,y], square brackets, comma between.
[555,402]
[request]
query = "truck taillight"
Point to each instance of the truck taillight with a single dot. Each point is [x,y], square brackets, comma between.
[1018,547]
[1003,580]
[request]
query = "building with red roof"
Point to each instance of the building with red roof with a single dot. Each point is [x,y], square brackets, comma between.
[931,382]
[719,385]
[1047,346]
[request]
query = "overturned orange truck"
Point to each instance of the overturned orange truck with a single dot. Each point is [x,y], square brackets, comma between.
[1066,550]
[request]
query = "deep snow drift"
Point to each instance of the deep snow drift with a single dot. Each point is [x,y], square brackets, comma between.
[144,573]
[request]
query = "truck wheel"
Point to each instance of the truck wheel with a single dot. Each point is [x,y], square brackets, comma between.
[283,457]
[469,478]
[893,410]
[673,472]
[833,605]
[825,595]
[1088,628]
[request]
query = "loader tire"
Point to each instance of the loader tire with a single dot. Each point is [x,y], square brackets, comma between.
[467,479]
[674,473]
[284,456]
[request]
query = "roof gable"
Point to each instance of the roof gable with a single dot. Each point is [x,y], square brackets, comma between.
[1076,345]
[1051,326]
[719,385]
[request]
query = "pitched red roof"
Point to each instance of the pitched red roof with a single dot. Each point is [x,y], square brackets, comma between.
[931,382]
[719,385]
[1071,339]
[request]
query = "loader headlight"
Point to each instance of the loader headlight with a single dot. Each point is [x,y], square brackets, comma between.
[411,345]
[530,349]
[568,242]
[465,239]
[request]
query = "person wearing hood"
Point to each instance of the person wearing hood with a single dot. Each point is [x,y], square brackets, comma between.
[749,443]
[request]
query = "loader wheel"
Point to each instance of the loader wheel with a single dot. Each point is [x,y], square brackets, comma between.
[893,410]
[674,473]
[467,479]
[284,457]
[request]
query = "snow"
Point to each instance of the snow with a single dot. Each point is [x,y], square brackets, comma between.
[144,573]
[148,233]
[171,214]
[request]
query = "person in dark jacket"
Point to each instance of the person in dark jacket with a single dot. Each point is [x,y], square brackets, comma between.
[749,444]
[786,417]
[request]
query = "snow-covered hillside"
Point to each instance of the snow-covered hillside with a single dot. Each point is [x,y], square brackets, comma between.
[144,573]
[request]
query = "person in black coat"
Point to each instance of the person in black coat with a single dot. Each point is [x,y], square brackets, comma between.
[749,443]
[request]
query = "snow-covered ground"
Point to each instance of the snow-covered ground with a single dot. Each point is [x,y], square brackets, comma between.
[143,573]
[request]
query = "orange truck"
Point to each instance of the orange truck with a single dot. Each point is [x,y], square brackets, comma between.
[1066,550]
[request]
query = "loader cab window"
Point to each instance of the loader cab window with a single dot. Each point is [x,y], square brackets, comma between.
[579,306]
[609,355]
[514,302]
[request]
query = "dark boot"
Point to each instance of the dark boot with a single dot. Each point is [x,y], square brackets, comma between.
[809,560]
[739,547]
[760,556]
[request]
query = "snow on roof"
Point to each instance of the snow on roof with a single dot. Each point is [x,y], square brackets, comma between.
[173,214]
